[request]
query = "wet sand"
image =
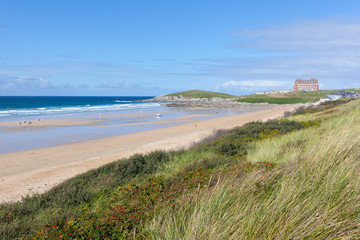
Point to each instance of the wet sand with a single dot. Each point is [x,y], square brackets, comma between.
[38,170]
[51,123]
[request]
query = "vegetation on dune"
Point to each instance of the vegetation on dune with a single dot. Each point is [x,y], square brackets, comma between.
[295,178]
[201,94]
[324,108]
[311,191]
[275,100]
[66,200]
[286,98]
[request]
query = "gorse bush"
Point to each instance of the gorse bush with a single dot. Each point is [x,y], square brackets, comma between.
[235,143]
[81,188]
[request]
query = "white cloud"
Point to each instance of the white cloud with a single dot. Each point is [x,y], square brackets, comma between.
[25,82]
[251,85]
[254,83]
[310,35]
[119,84]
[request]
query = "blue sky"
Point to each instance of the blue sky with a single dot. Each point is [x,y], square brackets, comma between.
[122,48]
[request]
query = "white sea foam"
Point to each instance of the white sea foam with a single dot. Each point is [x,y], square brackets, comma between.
[119,101]
[77,109]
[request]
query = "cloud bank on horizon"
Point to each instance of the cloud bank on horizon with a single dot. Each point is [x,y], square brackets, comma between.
[130,60]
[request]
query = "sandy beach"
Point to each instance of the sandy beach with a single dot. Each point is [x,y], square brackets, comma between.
[50,123]
[38,170]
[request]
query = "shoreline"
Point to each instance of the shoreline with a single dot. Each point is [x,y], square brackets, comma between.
[27,172]
[48,132]
[180,101]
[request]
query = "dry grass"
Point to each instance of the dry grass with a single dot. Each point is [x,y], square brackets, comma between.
[313,193]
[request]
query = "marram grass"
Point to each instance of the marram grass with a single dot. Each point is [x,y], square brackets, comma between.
[313,193]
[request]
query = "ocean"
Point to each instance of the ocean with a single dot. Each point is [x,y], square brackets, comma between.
[16,108]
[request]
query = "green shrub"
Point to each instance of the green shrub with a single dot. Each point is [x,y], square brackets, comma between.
[235,143]
[62,201]
[274,100]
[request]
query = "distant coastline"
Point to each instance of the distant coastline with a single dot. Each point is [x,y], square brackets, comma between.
[180,101]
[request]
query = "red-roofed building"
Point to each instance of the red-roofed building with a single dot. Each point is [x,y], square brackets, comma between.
[306,85]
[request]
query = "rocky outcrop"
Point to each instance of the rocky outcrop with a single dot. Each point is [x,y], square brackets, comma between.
[180,98]
[180,101]
[201,102]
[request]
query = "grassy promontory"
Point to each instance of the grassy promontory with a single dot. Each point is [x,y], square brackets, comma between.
[201,94]
[285,98]
[294,178]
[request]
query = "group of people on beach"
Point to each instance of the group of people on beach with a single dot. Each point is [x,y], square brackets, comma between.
[28,122]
